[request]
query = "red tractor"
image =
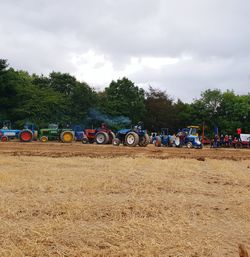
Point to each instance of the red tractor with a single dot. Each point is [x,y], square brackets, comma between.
[101,136]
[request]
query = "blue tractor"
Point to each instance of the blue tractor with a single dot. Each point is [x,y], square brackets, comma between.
[188,137]
[25,135]
[164,139]
[132,137]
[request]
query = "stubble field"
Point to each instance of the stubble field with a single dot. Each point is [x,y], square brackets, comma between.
[88,200]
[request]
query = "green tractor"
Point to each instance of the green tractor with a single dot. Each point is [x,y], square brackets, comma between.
[53,132]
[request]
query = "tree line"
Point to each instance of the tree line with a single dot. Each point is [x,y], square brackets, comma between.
[61,98]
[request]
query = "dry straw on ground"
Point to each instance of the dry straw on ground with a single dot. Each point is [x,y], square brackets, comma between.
[82,206]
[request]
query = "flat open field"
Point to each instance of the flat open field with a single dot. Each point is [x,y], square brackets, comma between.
[89,200]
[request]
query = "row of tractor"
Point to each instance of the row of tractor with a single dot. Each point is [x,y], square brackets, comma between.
[103,135]
[134,136]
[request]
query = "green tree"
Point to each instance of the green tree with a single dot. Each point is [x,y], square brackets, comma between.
[82,98]
[160,110]
[9,83]
[124,98]
[183,115]
[41,81]
[35,104]
[207,108]
[62,82]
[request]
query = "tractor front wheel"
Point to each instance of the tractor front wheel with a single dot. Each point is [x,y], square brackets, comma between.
[44,139]
[238,145]
[145,140]
[4,139]
[101,138]
[85,140]
[132,139]
[189,145]
[67,136]
[26,135]
[116,142]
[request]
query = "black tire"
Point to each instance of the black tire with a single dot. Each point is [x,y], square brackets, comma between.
[101,138]
[85,140]
[238,145]
[116,142]
[189,145]
[26,135]
[144,141]
[158,141]
[132,139]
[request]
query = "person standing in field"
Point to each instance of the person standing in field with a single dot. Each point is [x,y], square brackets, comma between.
[238,133]
[226,140]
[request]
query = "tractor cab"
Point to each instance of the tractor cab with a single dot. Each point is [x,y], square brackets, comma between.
[30,126]
[139,129]
[139,126]
[53,126]
[192,130]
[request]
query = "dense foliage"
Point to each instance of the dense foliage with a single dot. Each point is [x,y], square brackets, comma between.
[60,98]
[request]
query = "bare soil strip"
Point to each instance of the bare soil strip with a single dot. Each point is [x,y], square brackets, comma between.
[55,149]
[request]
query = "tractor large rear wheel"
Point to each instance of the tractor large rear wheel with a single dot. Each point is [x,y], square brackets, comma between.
[67,136]
[132,139]
[26,135]
[102,138]
[144,141]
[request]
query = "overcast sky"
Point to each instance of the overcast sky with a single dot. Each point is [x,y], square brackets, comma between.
[181,46]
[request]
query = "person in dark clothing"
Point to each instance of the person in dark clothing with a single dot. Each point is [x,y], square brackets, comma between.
[221,140]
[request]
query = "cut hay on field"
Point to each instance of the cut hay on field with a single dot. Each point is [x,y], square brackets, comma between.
[83,206]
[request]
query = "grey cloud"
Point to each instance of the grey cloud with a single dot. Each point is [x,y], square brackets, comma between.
[41,35]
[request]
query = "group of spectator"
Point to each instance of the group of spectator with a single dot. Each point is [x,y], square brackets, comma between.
[225,141]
